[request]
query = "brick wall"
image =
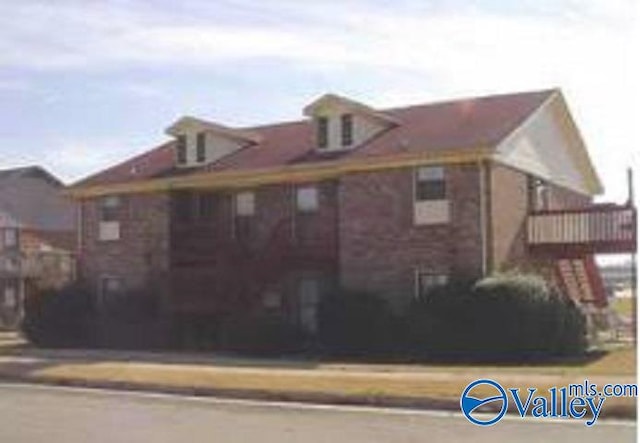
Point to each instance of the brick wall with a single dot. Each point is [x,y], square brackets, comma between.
[363,230]
[142,250]
[380,247]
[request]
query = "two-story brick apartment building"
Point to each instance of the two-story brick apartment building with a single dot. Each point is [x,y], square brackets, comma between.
[390,202]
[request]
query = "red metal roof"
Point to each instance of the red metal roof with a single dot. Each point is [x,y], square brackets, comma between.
[459,124]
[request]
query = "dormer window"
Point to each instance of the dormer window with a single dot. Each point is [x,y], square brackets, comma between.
[181,149]
[199,141]
[322,129]
[342,124]
[201,152]
[346,127]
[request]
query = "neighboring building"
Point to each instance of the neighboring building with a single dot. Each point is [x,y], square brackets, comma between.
[268,219]
[37,237]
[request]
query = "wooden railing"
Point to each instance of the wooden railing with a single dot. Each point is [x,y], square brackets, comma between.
[595,229]
[218,274]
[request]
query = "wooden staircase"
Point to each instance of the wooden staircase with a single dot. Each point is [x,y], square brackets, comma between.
[580,279]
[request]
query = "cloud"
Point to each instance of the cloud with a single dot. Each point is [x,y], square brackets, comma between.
[428,50]
[14,85]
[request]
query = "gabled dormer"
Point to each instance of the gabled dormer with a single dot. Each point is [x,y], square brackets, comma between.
[341,123]
[199,142]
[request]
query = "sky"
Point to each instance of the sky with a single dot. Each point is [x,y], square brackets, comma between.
[84,84]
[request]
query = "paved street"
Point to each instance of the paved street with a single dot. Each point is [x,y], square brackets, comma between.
[40,414]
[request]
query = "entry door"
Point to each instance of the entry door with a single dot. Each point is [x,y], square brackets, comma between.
[308,300]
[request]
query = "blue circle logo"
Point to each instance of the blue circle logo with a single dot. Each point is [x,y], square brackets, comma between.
[470,403]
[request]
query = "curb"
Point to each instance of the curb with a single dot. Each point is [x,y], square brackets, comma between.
[399,402]
[616,411]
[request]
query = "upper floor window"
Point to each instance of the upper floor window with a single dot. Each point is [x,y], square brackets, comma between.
[245,204]
[109,208]
[430,183]
[188,206]
[206,205]
[201,139]
[109,227]
[181,149]
[346,126]
[430,205]
[307,199]
[182,206]
[322,128]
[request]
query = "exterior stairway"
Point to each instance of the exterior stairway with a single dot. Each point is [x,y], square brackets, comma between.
[579,278]
[581,281]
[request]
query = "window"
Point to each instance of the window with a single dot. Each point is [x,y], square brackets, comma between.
[206,205]
[181,149]
[307,199]
[109,227]
[346,125]
[428,281]
[430,183]
[431,205]
[109,208]
[201,147]
[189,206]
[10,237]
[11,264]
[272,300]
[182,206]
[245,204]
[110,289]
[323,132]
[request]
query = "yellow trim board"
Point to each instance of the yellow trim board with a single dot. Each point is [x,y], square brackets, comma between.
[282,174]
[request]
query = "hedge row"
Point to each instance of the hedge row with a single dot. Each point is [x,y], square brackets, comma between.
[498,318]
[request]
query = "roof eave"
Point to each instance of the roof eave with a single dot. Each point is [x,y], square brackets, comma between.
[284,174]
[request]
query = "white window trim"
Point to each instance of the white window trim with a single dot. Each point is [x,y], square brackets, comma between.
[307,206]
[109,231]
[427,203]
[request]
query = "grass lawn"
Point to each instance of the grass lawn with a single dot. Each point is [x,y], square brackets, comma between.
[623,306]
[369,382]
[292,377]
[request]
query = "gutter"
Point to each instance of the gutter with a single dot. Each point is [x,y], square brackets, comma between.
[284,174]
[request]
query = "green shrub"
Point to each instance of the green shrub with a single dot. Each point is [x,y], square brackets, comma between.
[260,335]
[502,317]
[59,318]
[441,321]
[356,323]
